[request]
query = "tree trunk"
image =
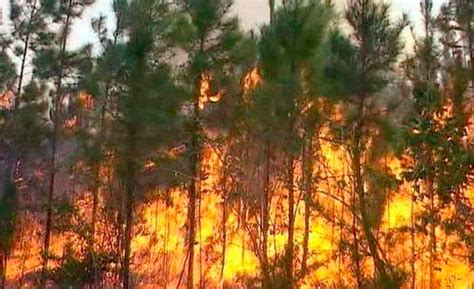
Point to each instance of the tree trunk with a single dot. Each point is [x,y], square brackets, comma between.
[3,270]
[291,222]
[193,192]
[355,237]
[191,233]
[379,264]
[265,217]
[54,140]
[308,182]
[271,5]
[432,238]
[224,236]
[129,206]
[266,193]
[23,57]
[95,205]
[413,248]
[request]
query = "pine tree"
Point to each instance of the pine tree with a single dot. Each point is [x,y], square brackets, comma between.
[296,38]
[22,128]
[96,121]
[363,65]
[434,137]
[7,192]
[142,103]
[54,62]
[217,53]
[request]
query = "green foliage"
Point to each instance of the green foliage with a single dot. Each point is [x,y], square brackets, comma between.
[339,67]
[8,217]
[434,139]
[297,39]
[27,127]
[7,70]
[78,272]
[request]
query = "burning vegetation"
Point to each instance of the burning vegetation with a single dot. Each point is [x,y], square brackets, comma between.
[295,158]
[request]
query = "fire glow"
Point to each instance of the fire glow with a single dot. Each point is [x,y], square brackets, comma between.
[158,245]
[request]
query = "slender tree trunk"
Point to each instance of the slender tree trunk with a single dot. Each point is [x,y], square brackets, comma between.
[130,188]
[266,193]
[224,235]
[379,264]
[470,34]
[432,234]
[271,5]
[355,237]
[54,141]
[95,205]
[193,192]
[201,279]
[26,47]
[3,270]
[291,222]
[265,217]
[129,204]
[192,195]
[308,182]
[413,244]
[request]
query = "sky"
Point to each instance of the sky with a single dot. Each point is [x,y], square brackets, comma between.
[253,13]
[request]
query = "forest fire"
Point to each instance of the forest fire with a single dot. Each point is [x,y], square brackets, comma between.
[160,236]
[301,164]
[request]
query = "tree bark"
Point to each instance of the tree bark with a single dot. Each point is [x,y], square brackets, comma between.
[413,245]
[355,238]
[291,222]
[3,270]
[95,205]
[54,141]
[265,217]
[271,5]
[23,57]
[129,206]
[224,237]
[379,263]
[308,182]
[193,192]
[432,235]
